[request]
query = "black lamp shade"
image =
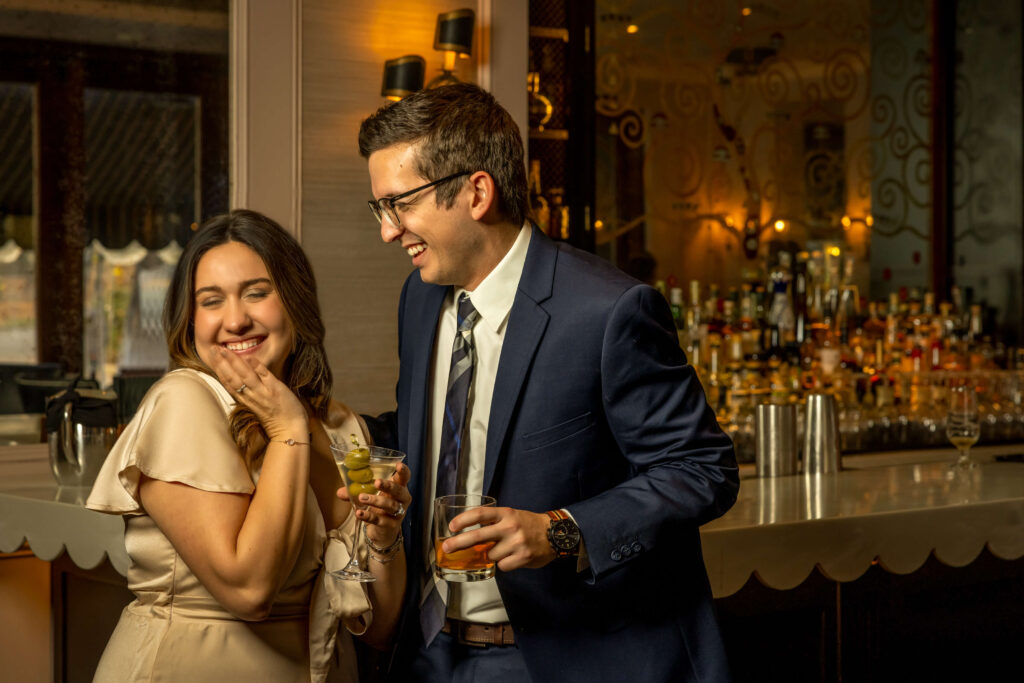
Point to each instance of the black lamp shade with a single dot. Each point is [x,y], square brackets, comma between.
[455,31]
[403,76]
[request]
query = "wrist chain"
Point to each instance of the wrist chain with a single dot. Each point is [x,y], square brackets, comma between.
[383,555]
[293,442]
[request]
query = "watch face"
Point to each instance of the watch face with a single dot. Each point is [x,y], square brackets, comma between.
[565,535]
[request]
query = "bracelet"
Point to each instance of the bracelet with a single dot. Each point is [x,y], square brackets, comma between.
[386,554]
[293,442]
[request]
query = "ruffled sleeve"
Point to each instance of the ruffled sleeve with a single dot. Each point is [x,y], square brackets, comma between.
[179,434]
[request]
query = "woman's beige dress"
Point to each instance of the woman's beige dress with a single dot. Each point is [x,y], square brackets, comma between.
[175,630]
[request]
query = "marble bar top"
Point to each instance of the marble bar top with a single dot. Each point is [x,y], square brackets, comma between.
[779,530]
[52,519]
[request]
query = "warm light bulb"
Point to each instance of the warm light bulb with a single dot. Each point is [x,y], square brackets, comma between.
[728,221]
[834,251]
[869,220]
[632,28]
[747,11]
[780,226]
[846,222]
[598,224]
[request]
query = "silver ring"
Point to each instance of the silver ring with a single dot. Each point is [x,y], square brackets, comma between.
[241,388]
[400,511]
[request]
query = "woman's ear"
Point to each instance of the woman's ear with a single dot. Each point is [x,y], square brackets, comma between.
[484,198]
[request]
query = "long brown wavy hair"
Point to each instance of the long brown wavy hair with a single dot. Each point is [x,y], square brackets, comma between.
[306,371]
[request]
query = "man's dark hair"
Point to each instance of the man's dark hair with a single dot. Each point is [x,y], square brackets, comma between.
[459,127]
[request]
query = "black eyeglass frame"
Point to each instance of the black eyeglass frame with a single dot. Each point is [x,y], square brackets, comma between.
[378,207]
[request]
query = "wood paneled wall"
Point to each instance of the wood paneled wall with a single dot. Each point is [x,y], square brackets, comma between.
[344,46]
[305,73]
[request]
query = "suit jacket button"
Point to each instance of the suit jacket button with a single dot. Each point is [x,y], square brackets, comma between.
[626,550]
[637,547]
[616,555]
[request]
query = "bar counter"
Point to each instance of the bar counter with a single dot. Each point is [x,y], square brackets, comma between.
[779,529]
[53,520]
[898,540]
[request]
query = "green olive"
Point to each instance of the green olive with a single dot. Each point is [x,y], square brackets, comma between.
[361,475]
[355,488]
[357,458]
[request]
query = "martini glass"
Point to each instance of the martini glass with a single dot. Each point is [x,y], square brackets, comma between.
[360,467]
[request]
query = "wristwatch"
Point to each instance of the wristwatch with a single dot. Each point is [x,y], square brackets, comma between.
[563,534]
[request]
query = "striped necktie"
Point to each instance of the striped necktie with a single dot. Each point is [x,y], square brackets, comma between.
[449,462]
[460,377]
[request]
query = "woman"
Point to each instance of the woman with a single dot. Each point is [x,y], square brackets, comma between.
[227,483]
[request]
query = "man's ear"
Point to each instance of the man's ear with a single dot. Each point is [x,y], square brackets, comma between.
[484,198]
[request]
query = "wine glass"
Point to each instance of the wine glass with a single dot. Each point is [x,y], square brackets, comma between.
[962,424]
[360,466]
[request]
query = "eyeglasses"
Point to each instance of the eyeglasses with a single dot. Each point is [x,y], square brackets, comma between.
[385,206]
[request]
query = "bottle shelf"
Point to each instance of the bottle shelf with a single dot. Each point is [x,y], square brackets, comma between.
[550,33]
[549,134]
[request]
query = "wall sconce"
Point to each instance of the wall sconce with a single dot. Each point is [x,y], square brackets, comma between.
[403,76]
[454,36]
[848,221]
[750,235]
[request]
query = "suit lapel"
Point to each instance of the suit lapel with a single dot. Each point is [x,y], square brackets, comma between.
[526,325]
[422,328]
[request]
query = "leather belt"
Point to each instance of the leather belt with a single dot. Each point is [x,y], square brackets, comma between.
[473,633]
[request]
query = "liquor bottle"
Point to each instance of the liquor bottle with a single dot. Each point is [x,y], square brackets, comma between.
[713,383]
[558,226]
[774,354]
[538,203]
[746,327]
[945,324]
[974,325]
[801,324]
[979,345]
[539,108]
[874,325]
[712,309]
[696,327]
[919,315]
[894,306]
[959,312]
[827,341]
[675,301]
[780,309]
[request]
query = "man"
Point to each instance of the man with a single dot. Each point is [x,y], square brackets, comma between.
[583,418]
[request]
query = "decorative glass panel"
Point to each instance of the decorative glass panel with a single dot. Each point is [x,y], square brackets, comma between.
[17,256]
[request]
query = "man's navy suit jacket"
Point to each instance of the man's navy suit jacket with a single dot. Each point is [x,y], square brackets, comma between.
[594,410]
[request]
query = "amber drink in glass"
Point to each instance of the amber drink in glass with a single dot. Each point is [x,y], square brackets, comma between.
[470,564]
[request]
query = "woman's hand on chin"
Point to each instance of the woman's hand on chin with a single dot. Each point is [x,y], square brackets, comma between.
[252,385]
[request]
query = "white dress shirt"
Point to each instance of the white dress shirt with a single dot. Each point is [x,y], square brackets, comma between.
[493,298]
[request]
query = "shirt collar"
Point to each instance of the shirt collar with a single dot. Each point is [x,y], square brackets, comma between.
[494,296]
